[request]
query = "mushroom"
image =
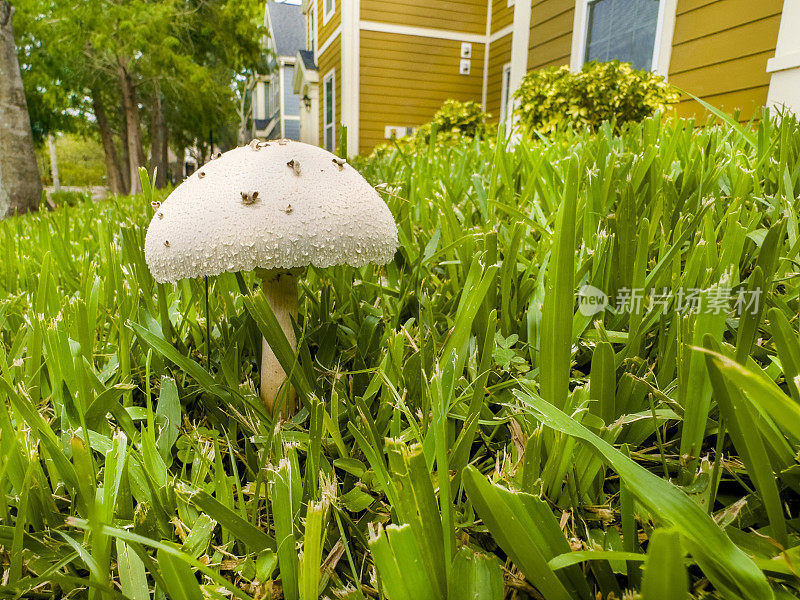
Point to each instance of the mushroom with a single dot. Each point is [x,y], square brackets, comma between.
[249,211]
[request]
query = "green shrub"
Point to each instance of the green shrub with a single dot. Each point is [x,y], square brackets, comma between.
[455,122]
[458,119]
[70,198]
[554,97]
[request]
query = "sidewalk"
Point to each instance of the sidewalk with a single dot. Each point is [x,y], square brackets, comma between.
[98,192]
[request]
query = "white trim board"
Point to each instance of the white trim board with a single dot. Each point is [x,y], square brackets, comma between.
[784,78]
[441,34]
[501,33]
[329,41]
[282,92]
[667,15]
[578,36]
[326,16]
[504,91]
[519,44]
[350,61]
[485,82]
[781,63]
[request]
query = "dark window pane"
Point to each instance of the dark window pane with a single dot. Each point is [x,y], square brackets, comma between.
[623,30]
[329,101]
[291,101]
[291,129]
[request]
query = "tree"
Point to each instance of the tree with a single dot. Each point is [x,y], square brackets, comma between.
[20,186]
[143,75]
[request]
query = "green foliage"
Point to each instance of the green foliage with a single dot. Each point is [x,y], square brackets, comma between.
[552,98]
[70,197]
[464,423]
[81,162]
[457,119]
[189,52]
[454,123]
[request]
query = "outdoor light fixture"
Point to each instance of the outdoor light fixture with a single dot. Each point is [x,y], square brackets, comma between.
[306,102]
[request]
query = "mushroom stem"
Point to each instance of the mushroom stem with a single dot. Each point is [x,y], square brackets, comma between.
[280,289]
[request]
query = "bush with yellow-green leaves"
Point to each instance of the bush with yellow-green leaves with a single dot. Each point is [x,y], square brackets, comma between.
[555,97]
[457,119]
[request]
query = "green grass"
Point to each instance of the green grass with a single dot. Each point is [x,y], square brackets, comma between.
[466,431]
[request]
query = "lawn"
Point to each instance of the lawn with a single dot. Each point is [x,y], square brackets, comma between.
[477,422]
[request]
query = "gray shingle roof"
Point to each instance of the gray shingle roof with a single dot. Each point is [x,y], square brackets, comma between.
[308,60]
[288,27]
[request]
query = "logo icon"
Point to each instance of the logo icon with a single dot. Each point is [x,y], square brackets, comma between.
[591,300]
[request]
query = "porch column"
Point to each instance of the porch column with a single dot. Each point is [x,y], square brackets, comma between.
[519,52]
[784,84]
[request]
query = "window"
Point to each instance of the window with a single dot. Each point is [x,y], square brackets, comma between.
[623,30]
[312,30]
[329,108]
[328,8]
[291,101]
[274,100]
[505,88]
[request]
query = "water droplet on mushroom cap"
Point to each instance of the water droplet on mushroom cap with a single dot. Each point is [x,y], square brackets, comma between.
[240,218]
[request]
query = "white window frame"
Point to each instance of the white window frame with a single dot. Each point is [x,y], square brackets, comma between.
[504,91]
[330,76]
[274,100]
[582,7]
[313,33]
[509,3]
[326,16]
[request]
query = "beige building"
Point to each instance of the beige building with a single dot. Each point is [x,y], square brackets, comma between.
[382,68]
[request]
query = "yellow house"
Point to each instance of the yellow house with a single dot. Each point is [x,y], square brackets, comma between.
[383,67]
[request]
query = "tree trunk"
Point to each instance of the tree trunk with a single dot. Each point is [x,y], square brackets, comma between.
[124,161]
[165,152]
[134,129]
[20,186]
[51,145]
[158,134]
[115,180]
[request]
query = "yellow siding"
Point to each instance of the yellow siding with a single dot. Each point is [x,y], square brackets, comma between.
[720,52]
[467,16]
[405,79]
[325,31]
[551,33]
[502,15]
[331,59]
[499,55]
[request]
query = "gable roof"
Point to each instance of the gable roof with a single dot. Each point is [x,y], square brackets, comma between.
[286,26]
[307,56]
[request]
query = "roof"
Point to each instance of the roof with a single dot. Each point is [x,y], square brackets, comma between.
[286,26]
[307,56]
[305,72]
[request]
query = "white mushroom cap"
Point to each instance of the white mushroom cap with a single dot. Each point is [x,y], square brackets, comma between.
[309,210]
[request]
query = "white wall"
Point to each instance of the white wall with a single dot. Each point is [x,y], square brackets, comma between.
[784,85]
